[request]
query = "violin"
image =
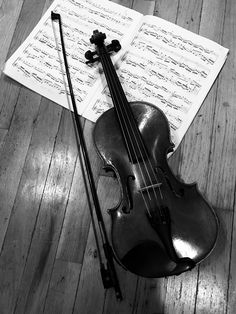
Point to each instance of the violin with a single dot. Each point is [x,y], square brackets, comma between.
[161,226]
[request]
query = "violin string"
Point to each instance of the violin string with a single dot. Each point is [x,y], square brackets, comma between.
[119,114]
[125,109]
[136,140]
[129,112]
[106,70]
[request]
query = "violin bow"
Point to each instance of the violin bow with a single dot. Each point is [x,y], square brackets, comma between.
[108,272]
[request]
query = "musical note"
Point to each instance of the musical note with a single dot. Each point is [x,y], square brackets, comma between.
[166,69]
[163,64]
[37,63]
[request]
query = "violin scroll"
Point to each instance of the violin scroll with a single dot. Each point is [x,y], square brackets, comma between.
[98,39]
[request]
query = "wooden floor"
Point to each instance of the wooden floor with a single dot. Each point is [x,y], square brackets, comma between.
[48,261]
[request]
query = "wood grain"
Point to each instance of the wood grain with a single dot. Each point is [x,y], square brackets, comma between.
[216,270]
[27,202]
[9,13]
[181,290]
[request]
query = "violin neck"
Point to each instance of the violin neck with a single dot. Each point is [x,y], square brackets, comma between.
[133,141]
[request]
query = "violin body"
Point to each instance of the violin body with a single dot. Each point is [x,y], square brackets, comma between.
[160,226]
[137,241]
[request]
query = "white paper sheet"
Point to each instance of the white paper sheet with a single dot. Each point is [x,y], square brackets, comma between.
[36,64]
[169,67]
[164,64]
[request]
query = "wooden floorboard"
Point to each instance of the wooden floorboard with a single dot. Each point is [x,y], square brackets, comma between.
[48,254]
[220,193]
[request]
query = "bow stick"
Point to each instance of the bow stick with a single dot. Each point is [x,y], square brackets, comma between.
[108,273]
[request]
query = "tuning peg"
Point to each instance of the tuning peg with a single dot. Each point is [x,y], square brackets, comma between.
[116,45]
[89,55]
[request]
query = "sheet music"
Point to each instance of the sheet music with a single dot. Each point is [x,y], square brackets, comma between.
[169,67]
[36,64]
[164,64]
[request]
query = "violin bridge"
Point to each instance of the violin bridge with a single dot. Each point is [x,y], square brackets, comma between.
[153,186]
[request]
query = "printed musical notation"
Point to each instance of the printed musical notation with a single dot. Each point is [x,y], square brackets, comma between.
[160,63]
[38,62]
[167,69]
[179,42]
